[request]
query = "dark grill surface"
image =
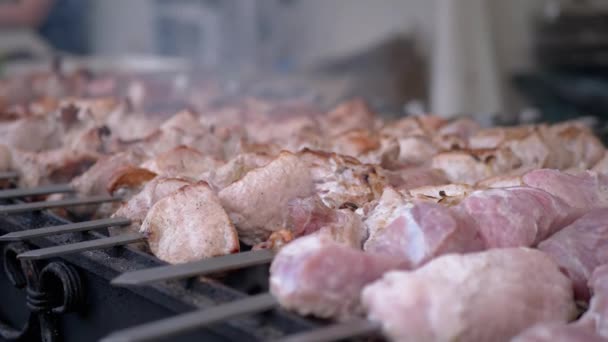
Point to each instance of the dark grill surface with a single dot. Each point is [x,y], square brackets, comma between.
[105,308]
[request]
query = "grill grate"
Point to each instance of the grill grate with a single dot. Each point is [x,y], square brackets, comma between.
[146,304]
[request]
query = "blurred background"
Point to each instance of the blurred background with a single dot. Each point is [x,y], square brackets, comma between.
[516,60]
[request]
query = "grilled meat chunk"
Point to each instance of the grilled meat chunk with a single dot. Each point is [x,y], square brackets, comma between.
[189,224]
[485,296]
[517,217]
[309,216]
[182,161]
[136,208]
[425,231]
[341,179]
[585,190]
[258,202]
[315,275]
[471,166]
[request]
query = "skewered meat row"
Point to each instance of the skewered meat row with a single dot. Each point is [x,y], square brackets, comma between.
[290,297]
[269,196]
[487,296]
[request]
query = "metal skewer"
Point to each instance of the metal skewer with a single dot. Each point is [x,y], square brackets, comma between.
[69,202]
[335,332]
[72,248]
[65,228]
[196,268]
[194,320]
[4,175]
[41,190]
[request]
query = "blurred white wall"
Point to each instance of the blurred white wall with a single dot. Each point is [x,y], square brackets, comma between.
[120,27]
[313,30]
[332,28]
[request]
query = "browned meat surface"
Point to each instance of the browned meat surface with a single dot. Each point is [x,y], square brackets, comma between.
[189,225]
[50,167]
[471,166]
[234,169]
[353,114]
[136,208]
[95,181]
[6,159]
[258,202]
[340,179]
[31,134]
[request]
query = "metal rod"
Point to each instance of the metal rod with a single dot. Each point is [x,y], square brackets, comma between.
[193,320]
[196,268]
[336,332]
[65,228]
[68,202]
[55,251]
[9,175]
[41,190]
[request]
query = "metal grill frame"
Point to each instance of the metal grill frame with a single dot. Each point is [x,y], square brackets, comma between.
[127,307]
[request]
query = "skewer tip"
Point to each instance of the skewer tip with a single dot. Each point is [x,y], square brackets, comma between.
[8,237]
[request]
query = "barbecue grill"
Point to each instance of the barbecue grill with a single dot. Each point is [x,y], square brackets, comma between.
[70,281]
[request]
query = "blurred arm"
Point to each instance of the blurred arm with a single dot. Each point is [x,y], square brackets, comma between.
[24,13]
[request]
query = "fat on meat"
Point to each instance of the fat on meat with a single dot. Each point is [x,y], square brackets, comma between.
[471,166]
[258,202]
[425,231]
[426,125]
[485,296]
[585,190]
[490,138]
[463,128]
[234,169]
[445,194]
[339,179]
[580,248]
[413,177]
[182,161]
[189,224]
[416,149]
[380,214]
[518,216]
[315,275]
